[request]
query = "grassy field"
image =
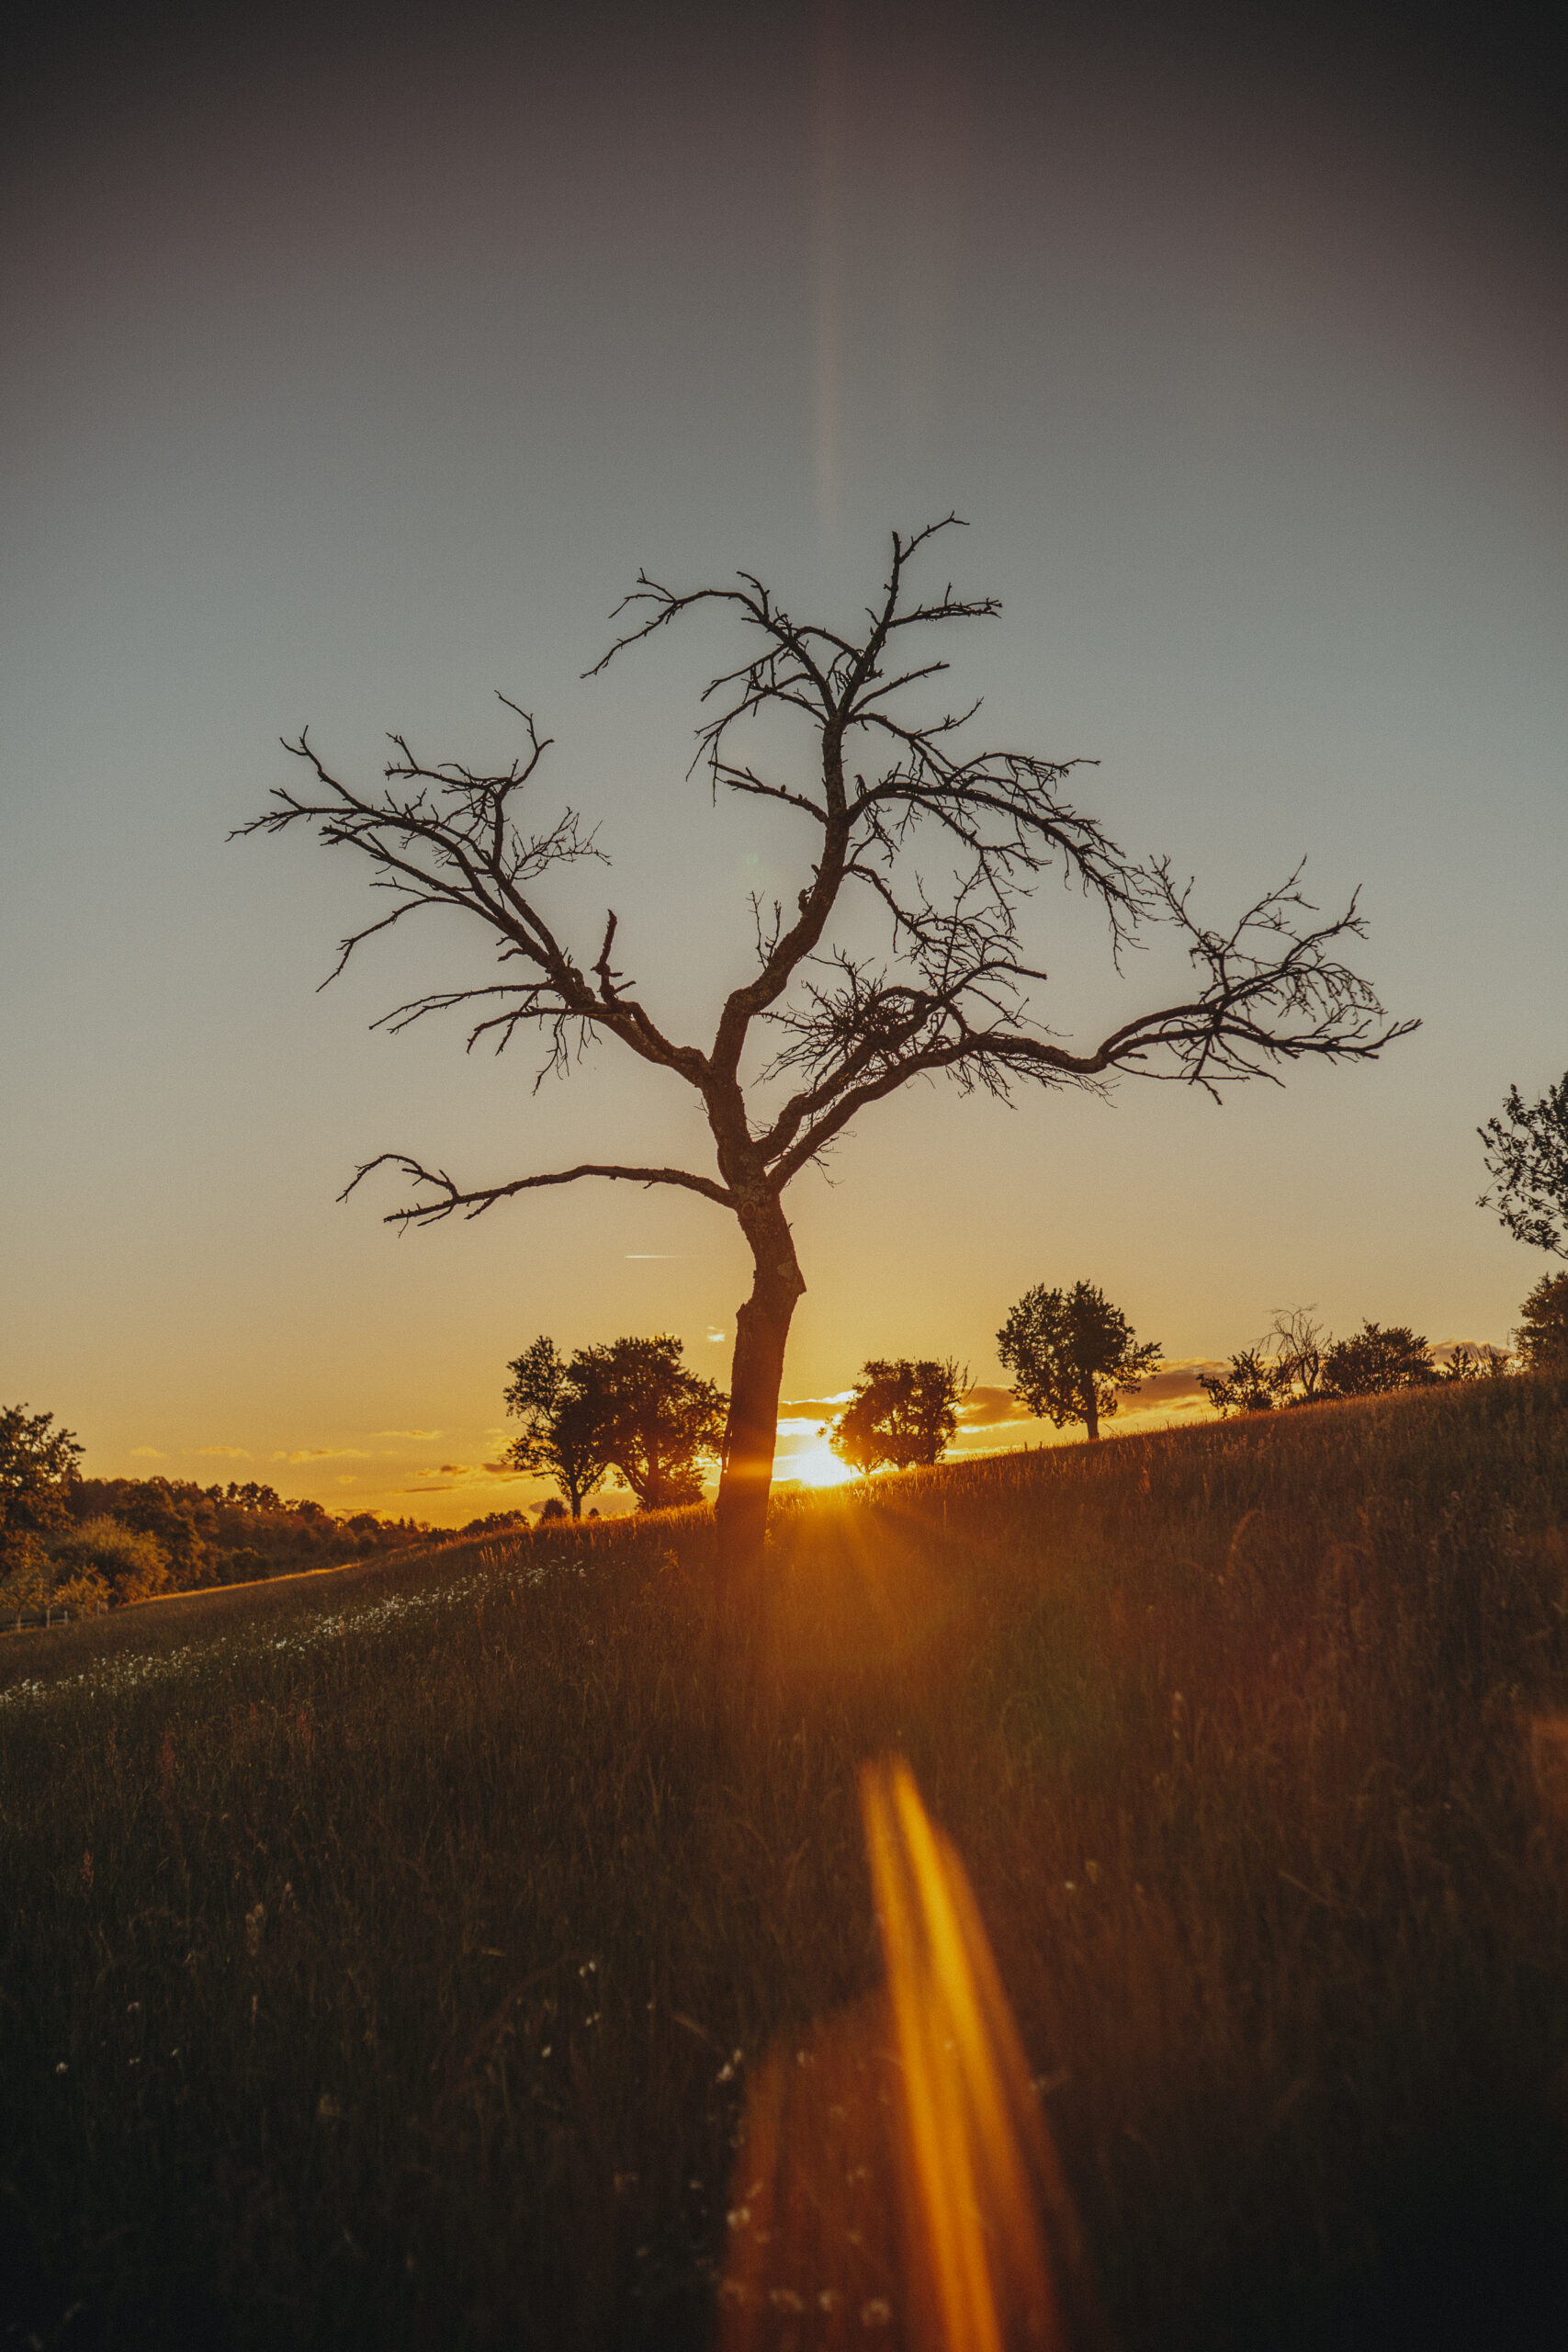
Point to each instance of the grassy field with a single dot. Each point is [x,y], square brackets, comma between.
[384,1955]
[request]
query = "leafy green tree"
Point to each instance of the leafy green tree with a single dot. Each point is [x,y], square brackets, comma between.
[563,1427]
[27,1576]
[1072,1354]
[1255,1383]
[1527,1159]
[183,1518]
[37,1477]
[901,1413]
[1377,1360]
[1542,1337]
[119,1562]
[657,1420]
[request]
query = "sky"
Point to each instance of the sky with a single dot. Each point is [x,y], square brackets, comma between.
[354,365]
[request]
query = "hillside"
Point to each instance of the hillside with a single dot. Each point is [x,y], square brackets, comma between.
[385,1954]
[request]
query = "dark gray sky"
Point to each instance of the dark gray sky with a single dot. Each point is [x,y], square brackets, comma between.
[354,368]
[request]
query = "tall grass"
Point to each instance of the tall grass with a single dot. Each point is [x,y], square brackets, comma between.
[382,1956]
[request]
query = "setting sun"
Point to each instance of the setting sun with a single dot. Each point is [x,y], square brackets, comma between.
[819,1467]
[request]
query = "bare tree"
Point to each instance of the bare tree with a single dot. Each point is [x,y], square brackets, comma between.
[947,992]
[1296,1344]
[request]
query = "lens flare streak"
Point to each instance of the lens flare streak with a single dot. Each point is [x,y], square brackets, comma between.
[895,2173]
[964,2141]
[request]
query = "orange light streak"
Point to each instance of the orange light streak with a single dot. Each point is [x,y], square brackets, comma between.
[990,2283]
[897,2175]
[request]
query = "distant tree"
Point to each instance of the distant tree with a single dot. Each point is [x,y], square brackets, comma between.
[1527,1159]
[905,824]
[27,1576]
[1296,1344]
[553,1508]
[505,1522]
[1284,1368]
[1542,1337]
[37,1477]
[657,1420]
[251,1496]
[1073,1355]
[901,1414]
[1466,1362]
[184,1519]
[107,1557]
[1255,1383]
[1377,1360]
[563,1423]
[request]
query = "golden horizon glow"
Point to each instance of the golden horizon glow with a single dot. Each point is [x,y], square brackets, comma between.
[817,1466]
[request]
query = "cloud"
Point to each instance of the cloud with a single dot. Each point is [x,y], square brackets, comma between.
[146,1453]
[324,1454]
[812,1410]
[426,1490]
[1177,1382]
[229,1453]
[982,1409]
[425,1437]
[717,1338]
[457,1469]
[504,1470]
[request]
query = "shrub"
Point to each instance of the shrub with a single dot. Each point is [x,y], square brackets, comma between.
[125,1561]
[1377,1360]
[1542,1337]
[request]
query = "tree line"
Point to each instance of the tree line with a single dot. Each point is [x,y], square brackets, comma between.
[86,1543]
[633,1414]
[632,1411]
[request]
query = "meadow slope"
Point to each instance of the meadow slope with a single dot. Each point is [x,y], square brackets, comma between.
[383,1957]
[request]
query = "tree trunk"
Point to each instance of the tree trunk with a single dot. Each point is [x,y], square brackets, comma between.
[1091,1413]
[761,1329]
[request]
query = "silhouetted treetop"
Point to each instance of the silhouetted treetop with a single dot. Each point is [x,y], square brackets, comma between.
[902,1414]
[564,1436]
[1073,1355]
[1376,1360]
[1527,1159]
[39,1474]
[1543,1336]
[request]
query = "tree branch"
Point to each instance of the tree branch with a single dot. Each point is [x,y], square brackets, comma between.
[451,1199]
[452,842]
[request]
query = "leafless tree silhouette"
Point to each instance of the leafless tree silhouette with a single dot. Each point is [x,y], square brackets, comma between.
[949,991]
